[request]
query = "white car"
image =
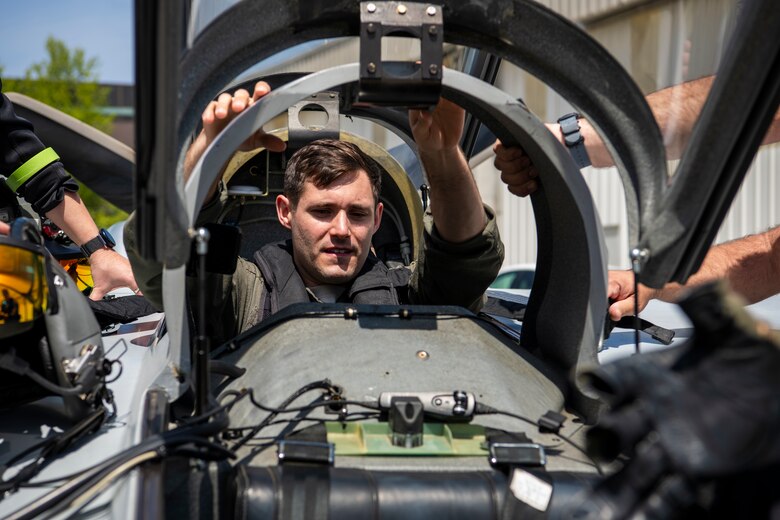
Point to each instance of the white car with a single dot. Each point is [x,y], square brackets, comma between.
[516,276]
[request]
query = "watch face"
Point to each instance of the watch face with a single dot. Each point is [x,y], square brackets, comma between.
[109,240]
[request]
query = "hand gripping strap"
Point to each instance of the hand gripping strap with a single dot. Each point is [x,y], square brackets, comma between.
[31,168]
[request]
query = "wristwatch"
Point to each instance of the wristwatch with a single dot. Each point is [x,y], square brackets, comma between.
[103,239]
[570,128]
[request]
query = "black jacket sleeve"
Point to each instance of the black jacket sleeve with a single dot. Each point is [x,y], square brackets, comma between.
[18,143]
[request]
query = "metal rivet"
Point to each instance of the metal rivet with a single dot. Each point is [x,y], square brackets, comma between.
[433,69]
[332,95]
[351,313]
[401,9]
[433,30]
[371,28]
[422,355]
[371,8]
[371,67]
[59,282]
[431,10]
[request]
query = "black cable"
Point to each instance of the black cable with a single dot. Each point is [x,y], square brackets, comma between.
[636,313]
[481,409]
[121,369]
[308,408]
[175,452]
[217,453]
[324,384]
[228,393]
[257,448]
[350,417]
[17,365]
[403,240]
[213,411]
[49,448]
[202,344]
[59,499]
[320,404]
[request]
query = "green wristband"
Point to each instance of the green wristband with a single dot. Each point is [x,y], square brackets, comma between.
[31,168]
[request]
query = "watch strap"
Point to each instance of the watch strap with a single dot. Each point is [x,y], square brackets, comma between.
[572,138]
[94,244]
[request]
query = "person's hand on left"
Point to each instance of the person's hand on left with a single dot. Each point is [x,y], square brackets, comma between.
[110,271]
[4,228]
[217,115]
[227,107]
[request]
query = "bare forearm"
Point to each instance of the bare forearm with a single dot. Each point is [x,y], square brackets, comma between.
[773,134]
[194,153]
[675,110]
[74,219]
[110,270]
[750,264]
[455,202]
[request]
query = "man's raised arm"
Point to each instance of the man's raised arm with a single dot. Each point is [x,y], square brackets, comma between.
[462,251]
[217,115]
[456,206]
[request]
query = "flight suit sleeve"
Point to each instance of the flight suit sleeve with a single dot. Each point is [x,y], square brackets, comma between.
[234,301]
[456,274]
[148,273]
[45,185]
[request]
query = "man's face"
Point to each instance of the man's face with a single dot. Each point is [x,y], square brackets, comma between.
[331,228]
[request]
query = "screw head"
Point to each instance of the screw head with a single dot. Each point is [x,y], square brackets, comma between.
[433,30]
[401,9]
[423,355]
[433,69]
[431,11]
[371,8]
[371,68]
[371,28]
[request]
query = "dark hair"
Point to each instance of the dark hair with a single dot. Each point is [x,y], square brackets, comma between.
[325,160]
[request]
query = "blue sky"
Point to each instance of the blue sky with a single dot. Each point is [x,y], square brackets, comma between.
[103,28]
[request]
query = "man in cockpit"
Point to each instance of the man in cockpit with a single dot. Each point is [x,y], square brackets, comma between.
[331,206]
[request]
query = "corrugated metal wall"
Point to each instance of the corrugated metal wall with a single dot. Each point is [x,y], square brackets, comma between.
[755,208]
[580,10]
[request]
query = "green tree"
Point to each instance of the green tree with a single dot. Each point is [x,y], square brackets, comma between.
[68,81]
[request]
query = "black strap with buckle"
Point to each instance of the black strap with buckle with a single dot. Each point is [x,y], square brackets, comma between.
[570,128]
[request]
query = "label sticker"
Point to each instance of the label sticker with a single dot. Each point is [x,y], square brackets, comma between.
[531,490]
